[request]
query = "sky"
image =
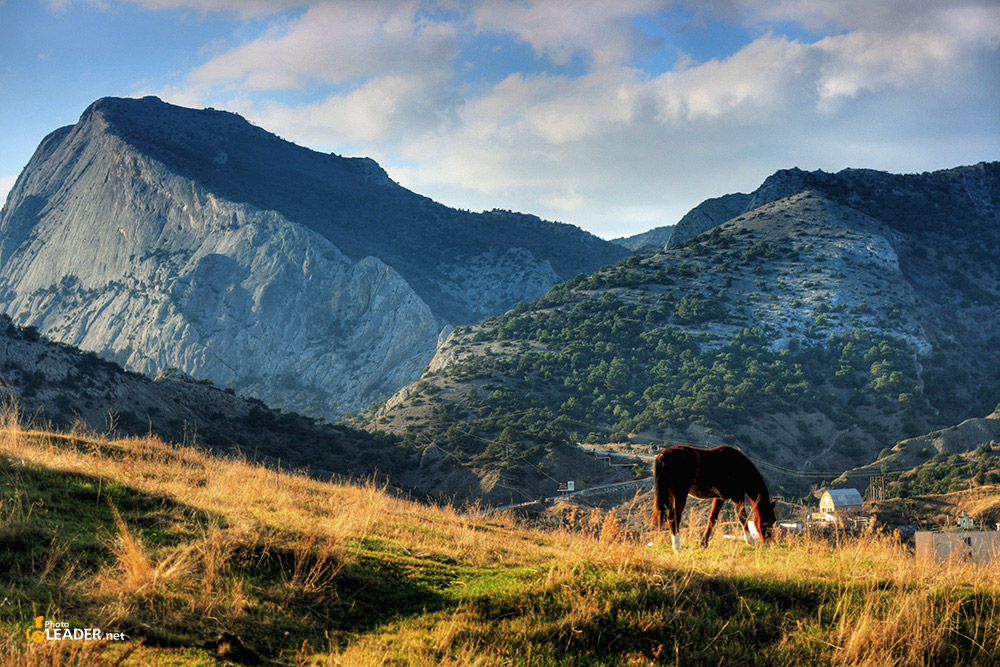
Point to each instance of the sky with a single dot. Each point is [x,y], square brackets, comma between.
[617,116]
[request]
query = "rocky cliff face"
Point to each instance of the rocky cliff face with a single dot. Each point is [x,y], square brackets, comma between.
[168,237]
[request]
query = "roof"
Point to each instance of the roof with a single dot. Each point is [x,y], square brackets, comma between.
[842,497]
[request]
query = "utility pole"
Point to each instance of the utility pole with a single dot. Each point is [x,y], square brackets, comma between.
[876,484]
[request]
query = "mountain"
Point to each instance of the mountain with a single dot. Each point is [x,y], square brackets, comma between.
[701,218]
[711,213]
[162,237]
[950,201]
[813,330]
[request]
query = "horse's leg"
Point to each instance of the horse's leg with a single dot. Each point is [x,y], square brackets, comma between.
[712,518]
[671,518]
[741,512]
[675,526]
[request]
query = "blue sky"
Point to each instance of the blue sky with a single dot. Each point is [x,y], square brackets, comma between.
[615,116]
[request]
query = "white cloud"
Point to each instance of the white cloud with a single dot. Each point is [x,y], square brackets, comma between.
[334,43]
[863,60]
[903,86]
[602,30]
[380,111]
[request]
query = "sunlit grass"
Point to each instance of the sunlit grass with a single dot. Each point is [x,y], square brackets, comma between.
[197,556]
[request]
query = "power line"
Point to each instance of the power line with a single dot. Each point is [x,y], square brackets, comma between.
[814,474]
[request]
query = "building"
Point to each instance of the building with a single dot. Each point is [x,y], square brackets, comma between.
[839,504]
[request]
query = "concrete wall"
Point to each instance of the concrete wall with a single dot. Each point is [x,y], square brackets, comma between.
[975,545]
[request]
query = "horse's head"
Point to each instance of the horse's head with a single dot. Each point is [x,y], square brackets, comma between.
[765,512]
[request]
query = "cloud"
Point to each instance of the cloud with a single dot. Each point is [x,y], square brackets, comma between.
[334,43]
[380,112]
[901,86]
[559,30]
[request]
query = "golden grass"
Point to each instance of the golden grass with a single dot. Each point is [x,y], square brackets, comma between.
[513,595]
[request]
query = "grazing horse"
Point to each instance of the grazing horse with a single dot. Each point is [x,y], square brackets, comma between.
[723,473]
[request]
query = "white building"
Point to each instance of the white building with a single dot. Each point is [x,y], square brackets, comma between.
[839,504]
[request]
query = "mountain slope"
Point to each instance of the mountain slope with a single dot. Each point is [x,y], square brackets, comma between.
[949,459]
[950,202]
[711,213]
[56,385]
[162,236]
[807,331]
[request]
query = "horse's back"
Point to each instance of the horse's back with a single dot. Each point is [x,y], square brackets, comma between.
[677,462]
[719,471]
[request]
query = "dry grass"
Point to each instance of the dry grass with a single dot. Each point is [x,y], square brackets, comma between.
[314,572]
[63,654]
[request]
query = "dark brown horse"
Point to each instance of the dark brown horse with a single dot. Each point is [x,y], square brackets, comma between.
[723,473]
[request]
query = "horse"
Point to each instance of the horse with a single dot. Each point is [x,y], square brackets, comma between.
[723,473]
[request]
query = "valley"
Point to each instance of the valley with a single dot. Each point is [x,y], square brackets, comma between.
[815,322]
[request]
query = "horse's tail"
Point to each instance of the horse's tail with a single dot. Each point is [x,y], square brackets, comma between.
[659,494]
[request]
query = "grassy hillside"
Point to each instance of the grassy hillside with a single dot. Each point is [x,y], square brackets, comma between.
[203,560]
[63,387]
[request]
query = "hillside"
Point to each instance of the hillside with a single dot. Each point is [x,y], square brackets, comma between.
[55,385]
[807,331]
[959,457]
[201,560]
[163,237]
[933,511]
[951,203]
